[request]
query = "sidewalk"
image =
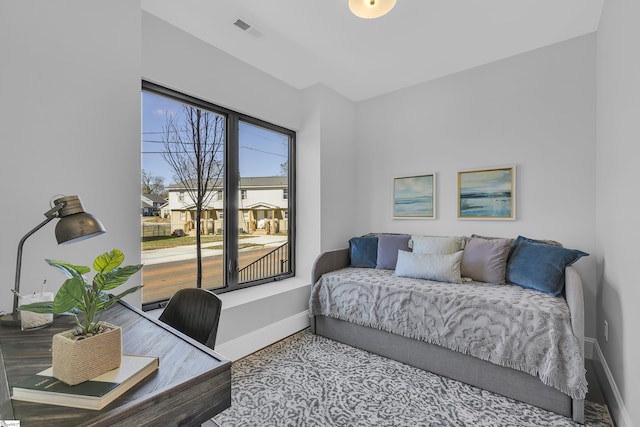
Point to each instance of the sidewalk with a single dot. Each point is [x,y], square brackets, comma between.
[181,253]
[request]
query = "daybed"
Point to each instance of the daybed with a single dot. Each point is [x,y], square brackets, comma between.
[488,335]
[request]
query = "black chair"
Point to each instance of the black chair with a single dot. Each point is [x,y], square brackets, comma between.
[194,312]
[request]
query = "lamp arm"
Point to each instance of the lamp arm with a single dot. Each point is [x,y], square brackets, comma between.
[50,215]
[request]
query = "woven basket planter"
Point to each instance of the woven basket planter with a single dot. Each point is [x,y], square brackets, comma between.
[76,361]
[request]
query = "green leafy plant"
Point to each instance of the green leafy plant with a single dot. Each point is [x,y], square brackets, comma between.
[76,295]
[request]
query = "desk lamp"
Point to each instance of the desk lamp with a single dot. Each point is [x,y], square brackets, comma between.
[75,224]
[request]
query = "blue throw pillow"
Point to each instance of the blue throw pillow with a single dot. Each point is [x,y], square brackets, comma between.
[363,251]
[540,266]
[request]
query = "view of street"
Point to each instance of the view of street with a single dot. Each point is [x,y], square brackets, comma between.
[168,270]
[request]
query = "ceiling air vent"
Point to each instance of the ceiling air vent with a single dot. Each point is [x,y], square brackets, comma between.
[248,28]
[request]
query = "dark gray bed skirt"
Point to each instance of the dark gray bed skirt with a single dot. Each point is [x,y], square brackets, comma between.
[468,369]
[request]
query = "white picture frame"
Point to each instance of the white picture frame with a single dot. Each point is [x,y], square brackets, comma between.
[414,197]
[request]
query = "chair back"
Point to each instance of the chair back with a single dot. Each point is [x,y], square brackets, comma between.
[194,312]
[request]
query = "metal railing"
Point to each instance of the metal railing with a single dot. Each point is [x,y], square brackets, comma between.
[271,264]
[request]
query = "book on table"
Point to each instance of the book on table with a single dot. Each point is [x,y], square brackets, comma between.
[95,393]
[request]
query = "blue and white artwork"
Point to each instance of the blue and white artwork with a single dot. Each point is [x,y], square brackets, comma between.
[413,197]
[487,194]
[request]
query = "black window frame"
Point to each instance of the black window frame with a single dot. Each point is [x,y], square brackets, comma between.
[231,190]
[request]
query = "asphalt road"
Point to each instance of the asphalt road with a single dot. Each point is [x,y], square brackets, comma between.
[161,280]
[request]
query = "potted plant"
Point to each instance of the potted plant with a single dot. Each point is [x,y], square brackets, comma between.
[93,347]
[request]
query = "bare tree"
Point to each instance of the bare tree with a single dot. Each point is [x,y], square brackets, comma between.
[152,184]
[194,145]
[284,168]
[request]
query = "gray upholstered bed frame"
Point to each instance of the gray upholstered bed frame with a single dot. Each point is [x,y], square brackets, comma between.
[468,369]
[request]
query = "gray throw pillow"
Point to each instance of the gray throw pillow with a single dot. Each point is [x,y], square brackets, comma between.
[485,260]
[388,247]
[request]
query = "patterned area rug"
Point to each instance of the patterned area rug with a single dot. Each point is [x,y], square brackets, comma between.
[307,380]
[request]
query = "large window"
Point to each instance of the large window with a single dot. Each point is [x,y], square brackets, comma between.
[228,221]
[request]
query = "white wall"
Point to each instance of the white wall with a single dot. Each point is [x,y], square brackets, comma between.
[309,205]
[69,123]
[177,60]
[535,111]
[617,196]
[337,166]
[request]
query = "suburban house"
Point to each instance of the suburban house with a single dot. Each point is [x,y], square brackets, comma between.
[263,207]
[151,204]
[562,107]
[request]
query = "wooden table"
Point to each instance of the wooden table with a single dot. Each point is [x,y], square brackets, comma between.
[192,384]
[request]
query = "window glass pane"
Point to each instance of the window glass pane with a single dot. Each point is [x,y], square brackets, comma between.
[254,244]
[263,230]
[178,140]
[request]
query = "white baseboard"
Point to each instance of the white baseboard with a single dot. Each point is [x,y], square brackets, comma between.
[612,393]
[244,345]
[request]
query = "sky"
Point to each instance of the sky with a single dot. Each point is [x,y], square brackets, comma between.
[262,151]
[412,187]
[487,181]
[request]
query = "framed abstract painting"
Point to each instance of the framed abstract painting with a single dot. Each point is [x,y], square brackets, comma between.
[487,193]
[414,197]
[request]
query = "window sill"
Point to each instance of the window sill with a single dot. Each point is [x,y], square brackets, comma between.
[247,295]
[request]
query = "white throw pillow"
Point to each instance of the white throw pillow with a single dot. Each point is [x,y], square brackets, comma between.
[441,268]
[440,245]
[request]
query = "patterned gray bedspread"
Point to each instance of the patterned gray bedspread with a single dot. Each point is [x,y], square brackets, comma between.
[503,324]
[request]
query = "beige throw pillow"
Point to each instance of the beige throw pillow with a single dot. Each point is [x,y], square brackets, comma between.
[440,245]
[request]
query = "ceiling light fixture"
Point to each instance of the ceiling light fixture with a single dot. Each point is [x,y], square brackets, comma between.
[369,9]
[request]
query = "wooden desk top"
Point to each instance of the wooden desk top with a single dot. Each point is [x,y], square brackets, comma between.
[192,384]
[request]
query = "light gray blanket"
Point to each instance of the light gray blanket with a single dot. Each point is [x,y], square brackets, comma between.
[503,324]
